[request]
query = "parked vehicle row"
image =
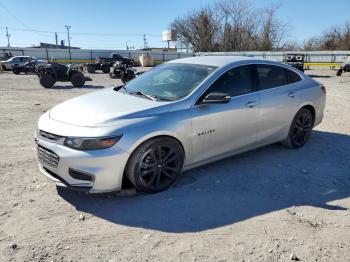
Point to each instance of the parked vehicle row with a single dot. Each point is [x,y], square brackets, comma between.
[17,61]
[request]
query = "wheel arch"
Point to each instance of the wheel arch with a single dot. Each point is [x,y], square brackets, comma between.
[311,108]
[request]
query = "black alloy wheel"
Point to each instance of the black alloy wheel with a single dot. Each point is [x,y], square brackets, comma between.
[300,129]
[155,165]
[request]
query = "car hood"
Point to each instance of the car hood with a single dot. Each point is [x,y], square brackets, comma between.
[105,108]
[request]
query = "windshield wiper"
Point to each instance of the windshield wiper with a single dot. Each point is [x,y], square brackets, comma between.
[153,98]
[120,87]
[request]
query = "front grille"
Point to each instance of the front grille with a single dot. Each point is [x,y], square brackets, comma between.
[47,157]
[49,136]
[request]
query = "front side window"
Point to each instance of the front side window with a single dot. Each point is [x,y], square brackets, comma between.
[170,81]
[270,76]
[235,82]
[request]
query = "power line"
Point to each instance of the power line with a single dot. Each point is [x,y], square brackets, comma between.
[13,15]
[79,33]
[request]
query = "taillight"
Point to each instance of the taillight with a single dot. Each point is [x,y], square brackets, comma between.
[323,89]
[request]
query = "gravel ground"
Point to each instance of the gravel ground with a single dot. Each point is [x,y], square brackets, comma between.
[271,204]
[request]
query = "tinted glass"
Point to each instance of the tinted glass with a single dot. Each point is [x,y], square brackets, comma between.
[235,82]
[292,77]
[170,81]
[269,76]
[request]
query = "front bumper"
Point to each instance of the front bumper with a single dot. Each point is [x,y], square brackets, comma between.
[105,167]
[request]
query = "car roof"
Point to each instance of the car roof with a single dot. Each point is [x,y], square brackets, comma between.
[218,61]
[21,56]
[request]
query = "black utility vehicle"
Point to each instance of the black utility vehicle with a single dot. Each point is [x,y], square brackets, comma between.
[27,68]
[50,73]
[105,63]
[295,60]
[345,67]
[124,71]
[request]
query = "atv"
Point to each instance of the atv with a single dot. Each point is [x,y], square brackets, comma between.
[105,63]
[50,73]
[124,71]
[345,67]
[27,68]
[295,60]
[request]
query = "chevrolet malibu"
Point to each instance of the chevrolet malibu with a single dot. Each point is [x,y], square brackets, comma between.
[180,115]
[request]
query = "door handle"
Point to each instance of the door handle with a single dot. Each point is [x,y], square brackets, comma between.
[250,104]
[291,94]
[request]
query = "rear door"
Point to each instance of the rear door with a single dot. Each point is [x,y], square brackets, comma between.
[279,100]
[225,128]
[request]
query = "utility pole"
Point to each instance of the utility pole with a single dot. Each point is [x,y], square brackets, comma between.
[8,37]
[68,27]
[144,41]
[56,38]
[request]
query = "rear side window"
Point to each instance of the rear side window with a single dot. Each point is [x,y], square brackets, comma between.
[270,76]
[235,82]
[292,77]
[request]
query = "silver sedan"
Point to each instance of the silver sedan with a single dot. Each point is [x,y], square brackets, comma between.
[180,115]
[19,61]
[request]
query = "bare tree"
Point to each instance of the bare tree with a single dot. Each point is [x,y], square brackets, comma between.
[231,25]
[336,38]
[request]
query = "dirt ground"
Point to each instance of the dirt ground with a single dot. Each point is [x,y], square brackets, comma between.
[271,204]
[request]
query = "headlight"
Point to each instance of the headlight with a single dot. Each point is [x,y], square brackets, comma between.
[90,143]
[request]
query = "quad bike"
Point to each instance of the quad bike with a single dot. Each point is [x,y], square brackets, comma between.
[105,63]
[27,68]
[124,71]
[50,73]
[345,67]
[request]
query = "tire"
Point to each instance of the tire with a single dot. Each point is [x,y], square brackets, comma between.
[339,72]
[16,71]
[105,69]
[77,79]
[300,129]
[91,69]
[155,165]
[47,80]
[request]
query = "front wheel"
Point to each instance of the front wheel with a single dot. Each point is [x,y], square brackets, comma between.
[155,165]
[300,129]
[339,72]
[47,80]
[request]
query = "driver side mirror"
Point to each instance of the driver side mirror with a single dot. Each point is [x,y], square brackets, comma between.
[216,98]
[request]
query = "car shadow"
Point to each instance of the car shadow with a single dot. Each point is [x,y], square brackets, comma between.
[319,76]
[72,87]
[235,189]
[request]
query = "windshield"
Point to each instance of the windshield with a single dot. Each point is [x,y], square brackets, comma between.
[170,81]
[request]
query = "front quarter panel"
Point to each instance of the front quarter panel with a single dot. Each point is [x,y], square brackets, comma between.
[176,124]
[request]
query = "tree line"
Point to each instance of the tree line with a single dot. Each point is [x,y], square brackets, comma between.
[235,25]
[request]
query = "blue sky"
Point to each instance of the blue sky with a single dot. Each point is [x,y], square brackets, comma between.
[129,20]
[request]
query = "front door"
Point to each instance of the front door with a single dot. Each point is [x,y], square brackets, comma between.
[220,129]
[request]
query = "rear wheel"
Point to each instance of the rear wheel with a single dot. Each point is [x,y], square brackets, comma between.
[300,129]
[77,79]
[155,165]
[105,69]
[15,70]
[47,80]
[91,69]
